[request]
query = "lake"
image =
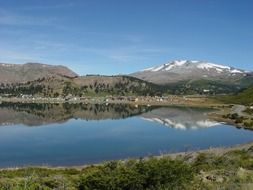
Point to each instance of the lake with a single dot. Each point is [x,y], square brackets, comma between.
[78,134]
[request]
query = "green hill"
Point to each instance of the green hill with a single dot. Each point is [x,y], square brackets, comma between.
[82,86]
[210,86]
[97,85]
[245,97]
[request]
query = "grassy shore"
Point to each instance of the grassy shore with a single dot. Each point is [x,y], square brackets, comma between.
[199,101]
[219,168]
[236,115]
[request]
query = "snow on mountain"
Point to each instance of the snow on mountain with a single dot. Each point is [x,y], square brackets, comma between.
[211,66]
[167,66]
[185,70]
[182,64]
[237,71]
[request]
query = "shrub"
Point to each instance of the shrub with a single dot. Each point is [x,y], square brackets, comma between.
[143,174]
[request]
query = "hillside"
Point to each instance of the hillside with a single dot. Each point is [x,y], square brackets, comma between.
[177,77]
[245,97]
[185,70]
[210,86]
[197,77]
[56,86]
[21,73]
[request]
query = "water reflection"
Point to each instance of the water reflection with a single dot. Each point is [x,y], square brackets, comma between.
[77,134]
[32,114]
[180,118]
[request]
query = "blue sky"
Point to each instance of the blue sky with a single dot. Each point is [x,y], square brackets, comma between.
[123,36]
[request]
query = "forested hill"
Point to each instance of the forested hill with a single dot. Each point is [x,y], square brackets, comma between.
[245,97]
[82,86]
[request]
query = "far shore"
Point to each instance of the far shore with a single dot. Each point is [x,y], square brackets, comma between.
[199,101]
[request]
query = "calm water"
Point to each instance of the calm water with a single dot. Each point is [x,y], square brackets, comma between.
[67,135]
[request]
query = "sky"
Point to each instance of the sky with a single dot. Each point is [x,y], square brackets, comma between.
[123,36]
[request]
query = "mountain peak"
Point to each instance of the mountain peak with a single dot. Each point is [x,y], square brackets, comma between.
[181,65]
[184,70]
[167,66]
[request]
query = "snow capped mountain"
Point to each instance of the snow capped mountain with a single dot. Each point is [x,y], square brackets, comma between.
[167,66]
[184,64]
[182,70]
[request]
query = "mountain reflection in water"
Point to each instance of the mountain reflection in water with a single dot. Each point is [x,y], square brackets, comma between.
[77,134]
[180,118]
[32,114]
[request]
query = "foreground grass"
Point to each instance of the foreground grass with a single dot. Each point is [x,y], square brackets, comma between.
[231,170]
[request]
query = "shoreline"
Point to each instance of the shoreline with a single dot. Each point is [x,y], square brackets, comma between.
[140,100]
[224,115]
[221,109]
[216,151]
[193,169]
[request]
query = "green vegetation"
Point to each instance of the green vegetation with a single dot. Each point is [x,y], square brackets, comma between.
[208,87]
[118,85]
[235,117]
[232,170]
[245,97]
[33,114]
[242,120]
[19,89]
[39,87]
[95,85]
[249,111]
[240,116]
[82,86]
[133,174]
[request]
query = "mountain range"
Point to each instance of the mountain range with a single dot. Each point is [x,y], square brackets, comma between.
[176,77]
[197,77]
[181,70]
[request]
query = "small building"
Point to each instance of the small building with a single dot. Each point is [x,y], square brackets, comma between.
[206,90]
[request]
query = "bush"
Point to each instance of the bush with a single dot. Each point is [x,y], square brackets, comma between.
[142,174]
[248,124]
[239,120]
[198,172]
[234,116]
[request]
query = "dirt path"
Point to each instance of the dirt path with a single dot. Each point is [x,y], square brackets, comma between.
[239,109]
